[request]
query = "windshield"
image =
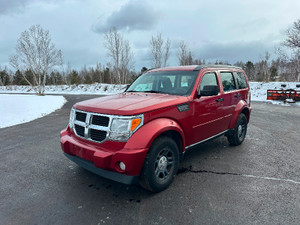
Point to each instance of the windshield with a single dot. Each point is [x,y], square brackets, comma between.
[167,82]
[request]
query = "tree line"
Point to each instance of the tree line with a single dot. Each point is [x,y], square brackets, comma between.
[90,75]
[37,61]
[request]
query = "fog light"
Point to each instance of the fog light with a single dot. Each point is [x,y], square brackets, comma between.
[122,166]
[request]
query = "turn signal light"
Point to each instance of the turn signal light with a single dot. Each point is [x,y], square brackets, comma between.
[135,123]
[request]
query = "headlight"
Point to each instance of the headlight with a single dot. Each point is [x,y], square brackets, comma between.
[122,128]
[72,118]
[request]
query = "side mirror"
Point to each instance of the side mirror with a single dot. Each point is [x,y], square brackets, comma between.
[209,90]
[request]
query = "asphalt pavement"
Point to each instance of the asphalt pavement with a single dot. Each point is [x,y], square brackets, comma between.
[255,183]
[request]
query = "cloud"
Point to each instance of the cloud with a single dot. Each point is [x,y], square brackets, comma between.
[19,6]
[12,6]
[233,52]
[135,15]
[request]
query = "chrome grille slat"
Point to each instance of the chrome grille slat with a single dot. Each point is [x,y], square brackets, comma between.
[95,127]
[79,123]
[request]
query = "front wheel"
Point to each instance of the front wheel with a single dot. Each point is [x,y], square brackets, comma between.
[239,133]
[161,165]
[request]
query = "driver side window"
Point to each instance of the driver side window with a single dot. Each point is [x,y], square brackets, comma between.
[208,79]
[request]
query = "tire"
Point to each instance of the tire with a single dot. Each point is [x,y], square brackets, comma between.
[160,165]
[239,133]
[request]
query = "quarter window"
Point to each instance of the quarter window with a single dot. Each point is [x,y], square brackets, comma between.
[228,81]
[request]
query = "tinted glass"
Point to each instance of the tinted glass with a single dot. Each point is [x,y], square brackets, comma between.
[208,79]
[228,81]
[241,80]
[166,82]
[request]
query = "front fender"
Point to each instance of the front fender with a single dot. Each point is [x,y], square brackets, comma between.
[240,107]
[145,135]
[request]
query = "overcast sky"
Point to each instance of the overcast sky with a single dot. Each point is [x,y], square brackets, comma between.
[231,30]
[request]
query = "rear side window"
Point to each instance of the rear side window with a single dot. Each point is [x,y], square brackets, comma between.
[228,81]
[208,79]
[241,80]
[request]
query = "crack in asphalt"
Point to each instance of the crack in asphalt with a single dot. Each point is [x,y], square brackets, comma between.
[190,170]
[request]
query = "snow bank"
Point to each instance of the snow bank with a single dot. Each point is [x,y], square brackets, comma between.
[17,109]
[87,89]
[259,91]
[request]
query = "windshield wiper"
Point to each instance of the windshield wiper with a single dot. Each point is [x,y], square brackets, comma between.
[152,91]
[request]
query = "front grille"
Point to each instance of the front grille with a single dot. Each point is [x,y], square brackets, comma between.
[100,120]
[80,116]
[91,126]
[79,130]
[98,135]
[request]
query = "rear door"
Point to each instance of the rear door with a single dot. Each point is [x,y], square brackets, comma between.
[243,86]
[231,94]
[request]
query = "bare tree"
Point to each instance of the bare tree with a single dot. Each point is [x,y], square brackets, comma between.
[120,52]
[184,55]
[160,52]
[1,82]
[34,51]
[126,61]
[167,52]
[292,41]
[266,66]
[293,36]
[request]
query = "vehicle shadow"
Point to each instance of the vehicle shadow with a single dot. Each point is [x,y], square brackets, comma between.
[135,193]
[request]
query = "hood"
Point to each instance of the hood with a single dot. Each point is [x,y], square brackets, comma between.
[130,103]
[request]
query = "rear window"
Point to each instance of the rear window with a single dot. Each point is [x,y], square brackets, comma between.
[241,80]
[228,81]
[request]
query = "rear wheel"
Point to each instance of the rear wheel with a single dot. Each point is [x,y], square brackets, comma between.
[160,165]
[239,133]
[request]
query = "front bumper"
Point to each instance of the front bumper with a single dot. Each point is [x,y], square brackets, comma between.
[122,178]
[103,161]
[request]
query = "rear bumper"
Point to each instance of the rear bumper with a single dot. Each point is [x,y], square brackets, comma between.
[103,161]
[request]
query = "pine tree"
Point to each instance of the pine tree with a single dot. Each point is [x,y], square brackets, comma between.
[73,78]
[87,79]
[18,78]
[4,78]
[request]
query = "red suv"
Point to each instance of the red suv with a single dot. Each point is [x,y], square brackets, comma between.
[140,135]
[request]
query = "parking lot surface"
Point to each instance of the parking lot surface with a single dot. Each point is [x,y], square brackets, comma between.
[255,183]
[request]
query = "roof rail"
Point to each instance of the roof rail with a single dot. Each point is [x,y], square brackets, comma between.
[200,67]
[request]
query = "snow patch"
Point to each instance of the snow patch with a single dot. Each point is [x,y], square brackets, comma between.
[17,109]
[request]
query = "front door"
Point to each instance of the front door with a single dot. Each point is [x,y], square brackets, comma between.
[208,112]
